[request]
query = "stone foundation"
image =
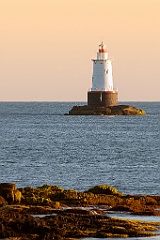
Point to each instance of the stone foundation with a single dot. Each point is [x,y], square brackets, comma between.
[102,98]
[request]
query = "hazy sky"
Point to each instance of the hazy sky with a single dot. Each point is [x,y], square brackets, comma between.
[46,47]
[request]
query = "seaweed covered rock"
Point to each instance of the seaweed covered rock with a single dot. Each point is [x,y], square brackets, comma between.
[104,189]
[41,195]
[59,213]
[110,110]
[56,197]
[71,224]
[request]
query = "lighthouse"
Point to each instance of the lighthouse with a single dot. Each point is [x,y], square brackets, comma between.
[102,97]
[102,92]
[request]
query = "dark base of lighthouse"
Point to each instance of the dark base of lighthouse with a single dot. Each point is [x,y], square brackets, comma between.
[102,98]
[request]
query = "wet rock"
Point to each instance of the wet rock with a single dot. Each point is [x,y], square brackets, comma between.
[78,211]
[149,212]
[120,208]
[37,210]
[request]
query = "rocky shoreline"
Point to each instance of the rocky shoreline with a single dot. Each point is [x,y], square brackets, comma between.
[110,110]
[51,212]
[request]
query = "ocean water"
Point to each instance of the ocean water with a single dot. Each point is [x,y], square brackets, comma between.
[40,145]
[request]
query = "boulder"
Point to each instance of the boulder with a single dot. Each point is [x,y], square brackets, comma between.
[9,192]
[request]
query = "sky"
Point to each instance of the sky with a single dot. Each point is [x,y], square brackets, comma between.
[46,47]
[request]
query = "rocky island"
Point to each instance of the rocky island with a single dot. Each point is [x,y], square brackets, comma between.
[106,110]
[51,212]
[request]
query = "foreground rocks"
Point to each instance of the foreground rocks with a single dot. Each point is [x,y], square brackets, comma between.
[111,110]
[50,212]
[70,225]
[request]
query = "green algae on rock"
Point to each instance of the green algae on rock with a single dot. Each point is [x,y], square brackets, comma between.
[104,189]
[110,110]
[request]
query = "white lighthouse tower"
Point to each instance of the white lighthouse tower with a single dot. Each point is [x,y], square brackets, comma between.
[102,92]
[102,79]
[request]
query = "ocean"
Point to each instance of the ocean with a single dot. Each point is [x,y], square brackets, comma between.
[40,145]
